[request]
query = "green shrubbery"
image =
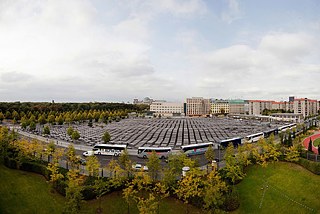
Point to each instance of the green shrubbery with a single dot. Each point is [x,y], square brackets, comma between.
[310,165]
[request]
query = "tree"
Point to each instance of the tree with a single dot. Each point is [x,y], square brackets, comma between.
[189,186]
[51,147]
[1,117]
[70,131]
[101,187]
[318,149]
[53,167]
[153,165]
[73,191]
[243,156]
[51,119]
[75,135]
[46,130]
[214,188]
[146,195]
[71,156]
[292,154]
[90,123]
[42,119]
[310,145]
[209,154]
[93,165]
[125,162]
[106,137]
[24,123]
[32,126]
[116,173]
[233,169]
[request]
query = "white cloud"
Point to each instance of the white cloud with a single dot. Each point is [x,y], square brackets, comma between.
[232,13]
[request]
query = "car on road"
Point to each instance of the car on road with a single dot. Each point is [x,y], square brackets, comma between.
[138,167]
[88,153]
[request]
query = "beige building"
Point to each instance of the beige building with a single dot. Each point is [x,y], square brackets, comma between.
[198,106]
[237,107]
[167,109]
[305,106]
[220,106]
[284,105]
[256,107]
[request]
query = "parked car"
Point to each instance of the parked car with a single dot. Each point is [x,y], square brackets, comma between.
[138,167]
[88,153]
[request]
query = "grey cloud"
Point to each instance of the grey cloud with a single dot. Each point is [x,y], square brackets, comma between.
[13,76]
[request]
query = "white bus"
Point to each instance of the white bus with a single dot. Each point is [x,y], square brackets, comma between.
[286,127]
[254,137]
[162,152]
[108,149]
[199,148]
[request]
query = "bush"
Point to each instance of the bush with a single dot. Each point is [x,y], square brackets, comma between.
[60,187]
[36,167]
[88,193]
[10,163]
[231,201]
[310,165]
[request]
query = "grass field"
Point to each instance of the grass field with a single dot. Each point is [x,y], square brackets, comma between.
[316,142]
[279,188]
[24,192]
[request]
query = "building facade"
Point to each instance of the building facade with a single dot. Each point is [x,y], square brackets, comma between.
[256,107]
[290,117]
[237,106]
[197,106]
[305,106]
[220,106]
[167,109]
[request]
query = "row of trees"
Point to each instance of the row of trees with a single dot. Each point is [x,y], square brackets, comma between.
[46,107]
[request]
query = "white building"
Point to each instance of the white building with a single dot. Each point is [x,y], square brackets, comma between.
[305,106]
[167,109]
[256,107]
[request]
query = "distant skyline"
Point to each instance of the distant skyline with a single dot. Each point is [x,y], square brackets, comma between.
[118,50]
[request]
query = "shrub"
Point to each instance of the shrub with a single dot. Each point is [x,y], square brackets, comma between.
[88,193]
[35,167]
[10,163]
[310,165]
[231,201]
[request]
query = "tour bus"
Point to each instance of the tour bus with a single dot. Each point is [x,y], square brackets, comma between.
[235,142]
[285,127]
[162,152]
[108,149]
[270,132]
[254,137]
[199,148]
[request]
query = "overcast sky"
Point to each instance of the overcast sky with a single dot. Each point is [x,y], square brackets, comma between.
[117,50]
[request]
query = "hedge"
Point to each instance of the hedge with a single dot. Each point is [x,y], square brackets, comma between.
[310,165]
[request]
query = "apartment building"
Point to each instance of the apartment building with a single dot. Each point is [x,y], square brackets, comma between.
[197,106]
[237,106]
[305,106]
[167,109]
[220,106]
[256,107]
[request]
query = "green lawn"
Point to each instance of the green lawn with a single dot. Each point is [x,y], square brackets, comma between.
[289,189]
[24,192]
[316,142]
